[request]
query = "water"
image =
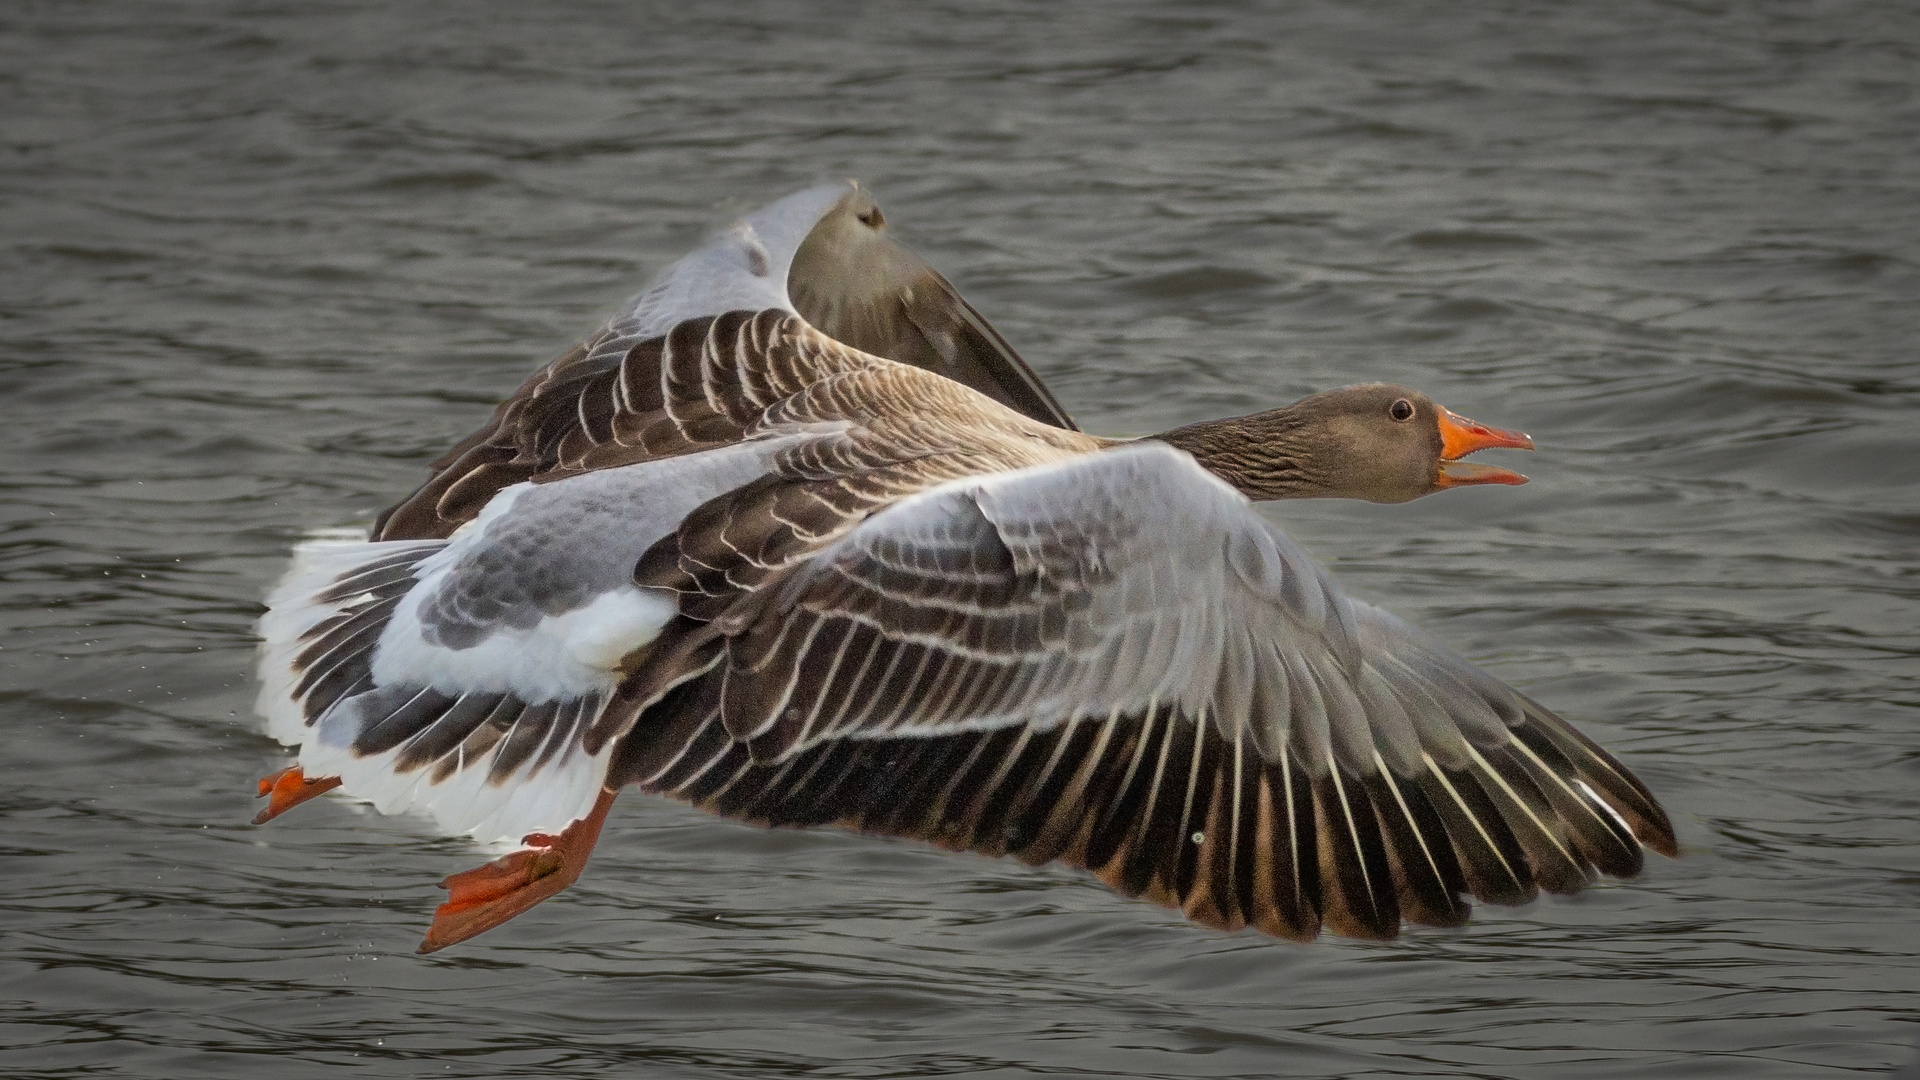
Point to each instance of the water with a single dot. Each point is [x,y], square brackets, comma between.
[264,260]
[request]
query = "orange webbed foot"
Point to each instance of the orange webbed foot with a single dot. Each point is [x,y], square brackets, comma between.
[486,896]
[289,788]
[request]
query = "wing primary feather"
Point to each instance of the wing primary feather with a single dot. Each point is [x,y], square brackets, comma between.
[1430,893]
[1426,852]
[1065,732]
[778,800]
[1601,837]
[1352,861]
[1027,820]
[929,691]
[1186,845]
[846,691]
[1619,788]
[1206,898]
[989,803]
[1300,895]
[906,811]
[1116,821]
[1147,854]
[1554,876]
[876,688]
[819,685]
[658,737]
[764,804]
[705,743]
[1477,859]
[1263,909]
[767,721]
[714,753]
[1283,905]
[937,808]
[1353,835]
[1080,803]
[902,694]
[1543,770]
[820,801]
[1233,829]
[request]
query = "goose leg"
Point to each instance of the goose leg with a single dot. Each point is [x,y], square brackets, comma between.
[289,788]
[486,896]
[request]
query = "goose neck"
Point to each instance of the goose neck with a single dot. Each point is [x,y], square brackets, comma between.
[1263,456]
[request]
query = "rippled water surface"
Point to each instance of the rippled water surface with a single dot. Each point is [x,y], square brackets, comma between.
[264,260]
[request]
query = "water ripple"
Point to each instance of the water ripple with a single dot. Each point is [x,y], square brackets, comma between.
[268,259]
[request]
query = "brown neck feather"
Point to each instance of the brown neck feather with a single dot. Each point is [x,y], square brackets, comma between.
[1264,456]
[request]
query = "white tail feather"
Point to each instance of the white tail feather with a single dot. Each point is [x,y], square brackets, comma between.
[292,611]
[541,798]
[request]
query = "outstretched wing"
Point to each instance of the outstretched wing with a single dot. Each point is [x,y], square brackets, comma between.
[1114,661]
[822,254]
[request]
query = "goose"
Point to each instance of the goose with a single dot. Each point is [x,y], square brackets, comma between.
[517,640]
[825,253]
[791,582]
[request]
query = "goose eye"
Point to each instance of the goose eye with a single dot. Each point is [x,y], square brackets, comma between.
[1401,410]
[873,218]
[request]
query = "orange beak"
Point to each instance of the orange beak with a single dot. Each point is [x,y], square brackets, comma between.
[1459,437]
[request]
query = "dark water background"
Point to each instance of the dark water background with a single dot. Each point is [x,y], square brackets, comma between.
[262,260]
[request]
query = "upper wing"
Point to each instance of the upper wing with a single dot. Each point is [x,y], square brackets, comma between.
[702,385]
[1115,661]
[822,254]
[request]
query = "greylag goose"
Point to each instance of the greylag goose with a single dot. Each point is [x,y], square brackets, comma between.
[788,581]
[823,253]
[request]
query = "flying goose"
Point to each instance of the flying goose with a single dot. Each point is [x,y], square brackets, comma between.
[749,566]
[823,253]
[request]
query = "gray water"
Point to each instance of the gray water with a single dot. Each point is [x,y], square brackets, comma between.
[264,260]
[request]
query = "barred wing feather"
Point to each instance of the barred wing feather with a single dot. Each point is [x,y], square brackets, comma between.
[1114,661]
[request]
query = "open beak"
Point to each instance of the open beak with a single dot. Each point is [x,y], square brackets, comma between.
[1459,437]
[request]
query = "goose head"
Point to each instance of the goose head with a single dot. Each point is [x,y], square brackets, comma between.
[1378,442]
